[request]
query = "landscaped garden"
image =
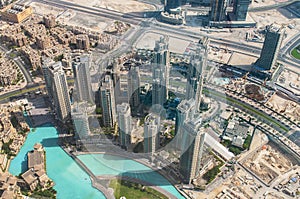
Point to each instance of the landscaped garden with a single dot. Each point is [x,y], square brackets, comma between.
[296,52]
[128,189]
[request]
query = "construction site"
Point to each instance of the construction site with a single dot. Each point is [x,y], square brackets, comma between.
[268,162]
[282,104]
[251,90]
[240,184]
[254,91]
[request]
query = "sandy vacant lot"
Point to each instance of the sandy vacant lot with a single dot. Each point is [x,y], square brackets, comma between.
[125,6]
[117,5]
[286,106]
[176,45]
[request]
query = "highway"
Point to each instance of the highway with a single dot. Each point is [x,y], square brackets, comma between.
[102,12]
[29,88]
[276,124]
[155,25]
[287,49]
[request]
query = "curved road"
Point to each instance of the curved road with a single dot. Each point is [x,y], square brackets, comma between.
[19,63]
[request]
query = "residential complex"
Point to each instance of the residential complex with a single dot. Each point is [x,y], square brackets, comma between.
[57,89]
[193,144]
[151,133]
[160,72]
[198,63]
[124,124]
[80,120]
[134,87]
[107,102]
[81,71]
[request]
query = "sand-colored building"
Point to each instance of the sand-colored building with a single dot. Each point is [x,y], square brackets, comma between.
[36,173]
[16,13]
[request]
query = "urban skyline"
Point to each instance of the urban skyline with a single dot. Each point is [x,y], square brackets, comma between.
[140,99]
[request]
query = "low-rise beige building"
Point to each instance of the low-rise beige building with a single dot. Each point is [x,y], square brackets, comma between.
[16,13]
[8,187]
[36,173]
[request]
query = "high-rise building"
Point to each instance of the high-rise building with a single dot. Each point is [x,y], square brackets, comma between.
[82,42]
[57,87]
[43,41]
[161,68]
[80,120]
[198,63]
[172,4]
[107,102]
[151,133]
[81,70]
[271,47]
[134,87]
[47,62]
[121,86]
[49,20]
[124,124]
[193,141]
[185,110]
[240,9]
[218,10]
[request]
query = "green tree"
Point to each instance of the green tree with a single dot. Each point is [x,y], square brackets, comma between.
[98,110]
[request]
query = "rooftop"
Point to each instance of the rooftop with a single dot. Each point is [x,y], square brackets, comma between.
[35,158]
[275,28]
[29,176]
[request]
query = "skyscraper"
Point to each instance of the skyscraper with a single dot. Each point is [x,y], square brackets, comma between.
[271,47]
[185,110]
[57,87]
[160,75]
[81,70]
[218,10]
[47,62]
[124,124]
[193,142]
[80,120]
[107,102]
[151,133]
[172,4]
[121,83]
[240,9]
[134,87]
[198,63]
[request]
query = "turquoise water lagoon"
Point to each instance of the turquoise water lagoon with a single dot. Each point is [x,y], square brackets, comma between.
[73,182]
[70,180]
[104,164]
